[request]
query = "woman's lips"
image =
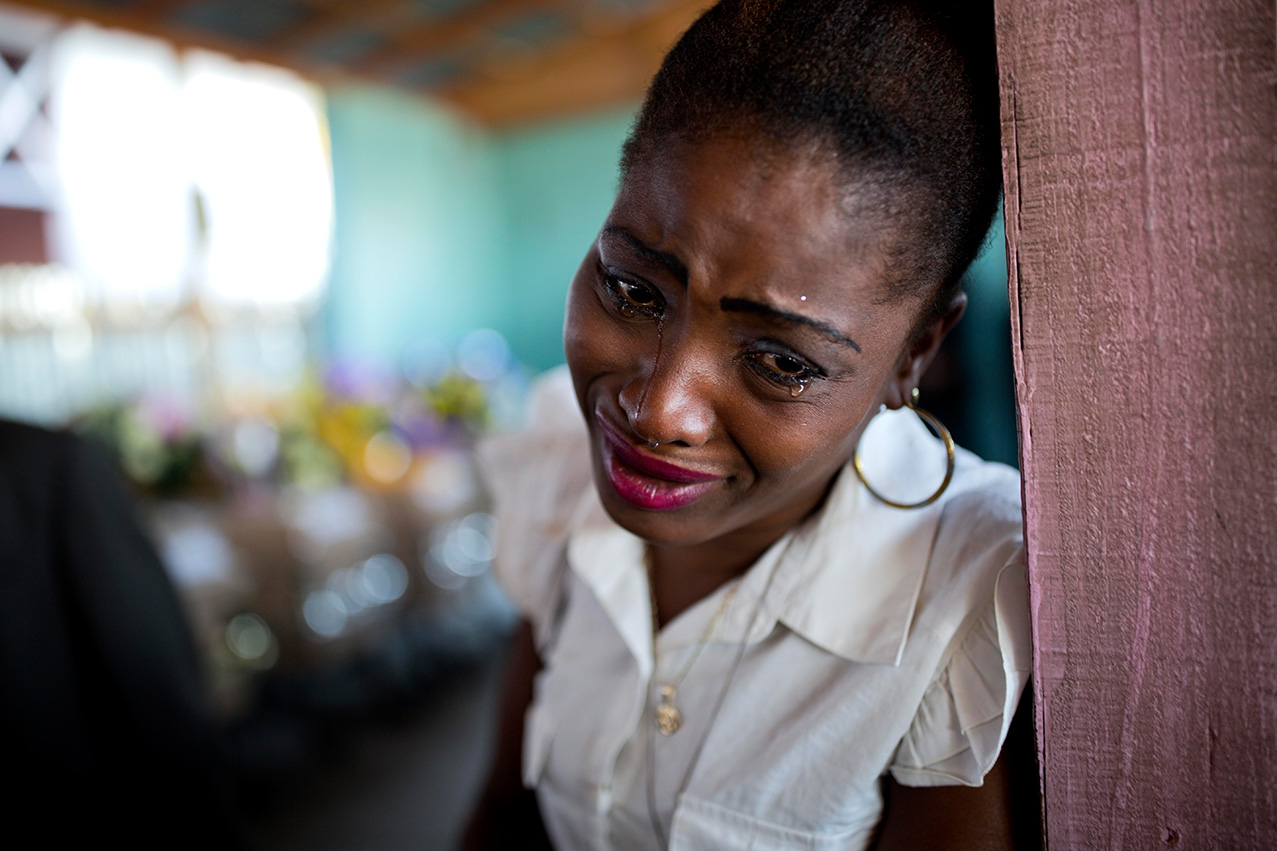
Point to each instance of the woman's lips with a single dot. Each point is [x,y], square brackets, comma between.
[647,482]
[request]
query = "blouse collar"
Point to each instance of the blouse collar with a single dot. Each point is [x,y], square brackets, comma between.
[848,580]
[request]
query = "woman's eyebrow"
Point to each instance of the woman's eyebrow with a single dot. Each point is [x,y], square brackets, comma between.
[669,261]
[758,308]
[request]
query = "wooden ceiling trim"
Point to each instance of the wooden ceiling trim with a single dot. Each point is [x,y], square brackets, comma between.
[126,18]
[605,56]
[610,67]
[155,8]
[334,19]
[453,34]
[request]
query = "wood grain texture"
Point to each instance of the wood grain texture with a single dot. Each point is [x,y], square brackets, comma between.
[1141,209]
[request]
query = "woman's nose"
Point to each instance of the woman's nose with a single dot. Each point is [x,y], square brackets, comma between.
[669,399]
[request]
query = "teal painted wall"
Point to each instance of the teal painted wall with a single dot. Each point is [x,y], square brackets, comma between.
[983,346]
[442,227]
[558,183]
[419,228]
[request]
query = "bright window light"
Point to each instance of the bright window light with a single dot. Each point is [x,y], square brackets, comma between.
[126,223]
[259,156]
[146,140]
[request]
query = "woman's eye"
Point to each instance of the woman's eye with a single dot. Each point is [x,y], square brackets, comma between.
[788,365]
[784,370]
[633,298]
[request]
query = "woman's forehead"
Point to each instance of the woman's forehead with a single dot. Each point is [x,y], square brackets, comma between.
[728,213]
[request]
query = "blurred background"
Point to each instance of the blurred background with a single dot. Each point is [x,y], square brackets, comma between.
[288,260]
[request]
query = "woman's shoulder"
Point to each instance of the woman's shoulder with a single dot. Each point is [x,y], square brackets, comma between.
[537,476]
[973,603]
[981,521]
[975,517]
[980,529]
[983,487]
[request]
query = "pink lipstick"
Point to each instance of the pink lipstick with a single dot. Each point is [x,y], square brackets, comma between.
[647,482]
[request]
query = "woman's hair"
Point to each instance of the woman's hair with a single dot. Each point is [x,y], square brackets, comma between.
[902,95]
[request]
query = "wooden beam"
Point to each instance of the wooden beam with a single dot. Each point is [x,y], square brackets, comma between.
[1141,214]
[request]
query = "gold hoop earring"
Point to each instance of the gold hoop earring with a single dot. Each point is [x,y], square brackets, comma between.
[911,404]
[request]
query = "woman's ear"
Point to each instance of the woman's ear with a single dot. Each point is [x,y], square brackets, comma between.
[922,350]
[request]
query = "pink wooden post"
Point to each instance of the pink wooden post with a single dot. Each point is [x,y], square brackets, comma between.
[1141,212]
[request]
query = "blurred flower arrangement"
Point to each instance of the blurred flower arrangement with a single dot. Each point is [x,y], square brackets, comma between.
[156,446]
[352,424]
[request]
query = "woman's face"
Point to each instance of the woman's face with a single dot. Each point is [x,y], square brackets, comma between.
[729,340]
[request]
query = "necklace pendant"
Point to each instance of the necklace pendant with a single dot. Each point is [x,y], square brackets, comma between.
[668,718]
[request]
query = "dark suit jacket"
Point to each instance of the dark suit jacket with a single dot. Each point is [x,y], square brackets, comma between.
[104,723]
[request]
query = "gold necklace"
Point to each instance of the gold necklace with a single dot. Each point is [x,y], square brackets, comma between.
[675,717]
[668,718]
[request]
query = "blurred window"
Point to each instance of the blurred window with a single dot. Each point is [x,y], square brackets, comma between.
[186,201]
[193,175]
[259,160]
[124,223]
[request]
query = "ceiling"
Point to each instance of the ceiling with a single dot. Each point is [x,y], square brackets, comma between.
[503,62]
